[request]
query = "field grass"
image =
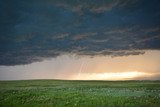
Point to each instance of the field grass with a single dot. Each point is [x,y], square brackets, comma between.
[59,93]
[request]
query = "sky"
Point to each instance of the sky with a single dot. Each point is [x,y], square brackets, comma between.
[80,39]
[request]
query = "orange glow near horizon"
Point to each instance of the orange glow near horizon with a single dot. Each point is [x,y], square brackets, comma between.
[71,67]
[130,75]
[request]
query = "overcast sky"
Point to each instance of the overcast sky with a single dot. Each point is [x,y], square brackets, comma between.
[79,39]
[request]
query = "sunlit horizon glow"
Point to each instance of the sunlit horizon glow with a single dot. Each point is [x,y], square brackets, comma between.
[129,75]
[70,67]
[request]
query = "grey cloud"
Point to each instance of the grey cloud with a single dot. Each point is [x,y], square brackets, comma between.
[115,42]
[92,6]
[84,35]
[113,53]
[105,7]
[33,31]
[99,41]
[60,36]
[151,30]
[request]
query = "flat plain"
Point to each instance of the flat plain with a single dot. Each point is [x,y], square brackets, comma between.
[67,93]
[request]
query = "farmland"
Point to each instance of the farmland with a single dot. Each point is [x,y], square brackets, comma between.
[65,93]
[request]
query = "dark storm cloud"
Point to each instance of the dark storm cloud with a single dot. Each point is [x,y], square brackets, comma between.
[33,30]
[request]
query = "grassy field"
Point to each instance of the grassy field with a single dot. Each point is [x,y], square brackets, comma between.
[59,93]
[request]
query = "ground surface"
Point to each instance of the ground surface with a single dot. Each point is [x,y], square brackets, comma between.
[56,93]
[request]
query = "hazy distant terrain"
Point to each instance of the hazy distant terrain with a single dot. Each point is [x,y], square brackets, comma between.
[58,93]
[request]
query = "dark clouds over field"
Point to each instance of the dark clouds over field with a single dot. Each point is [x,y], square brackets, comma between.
[33,30]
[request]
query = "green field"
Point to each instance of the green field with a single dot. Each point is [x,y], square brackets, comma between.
[59,93]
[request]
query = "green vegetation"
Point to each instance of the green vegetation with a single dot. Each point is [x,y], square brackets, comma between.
[59,93]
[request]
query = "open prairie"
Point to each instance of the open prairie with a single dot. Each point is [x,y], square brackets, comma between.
[62,93]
